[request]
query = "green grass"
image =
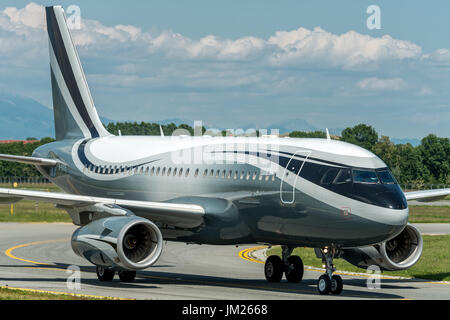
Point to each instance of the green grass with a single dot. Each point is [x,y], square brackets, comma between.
[434,263]
[429,214]
[19,294]
[31,211]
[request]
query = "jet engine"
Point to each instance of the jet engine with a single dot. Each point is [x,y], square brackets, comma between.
[399,253]
[127,242]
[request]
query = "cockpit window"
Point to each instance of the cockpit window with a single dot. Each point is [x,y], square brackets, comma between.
[329,176]
[386,177]
[365,176]
[344,176]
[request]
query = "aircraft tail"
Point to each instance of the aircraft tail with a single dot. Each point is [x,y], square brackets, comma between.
[74,110]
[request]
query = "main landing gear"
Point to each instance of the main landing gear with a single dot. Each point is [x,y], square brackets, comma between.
[329,283]
[291,266]
[105,274]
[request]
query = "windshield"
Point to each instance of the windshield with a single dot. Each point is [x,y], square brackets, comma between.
[364,176]
[385,176]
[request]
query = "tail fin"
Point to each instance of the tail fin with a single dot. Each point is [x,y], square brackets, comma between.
[74,109]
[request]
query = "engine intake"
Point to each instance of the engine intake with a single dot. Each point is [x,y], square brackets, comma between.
[399,253]
[130,243]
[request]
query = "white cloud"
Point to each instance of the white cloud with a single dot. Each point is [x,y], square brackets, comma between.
[315,47]
[438,57]
[348,50]
[376,84]
[32,15]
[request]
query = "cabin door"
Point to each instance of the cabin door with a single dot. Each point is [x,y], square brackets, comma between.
[290,175]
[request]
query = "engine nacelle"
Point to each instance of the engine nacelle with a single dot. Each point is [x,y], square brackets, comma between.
[130,243]
[401,252]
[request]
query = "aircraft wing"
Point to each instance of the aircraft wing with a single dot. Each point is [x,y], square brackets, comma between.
[29,160]
[176,214]
[427,195]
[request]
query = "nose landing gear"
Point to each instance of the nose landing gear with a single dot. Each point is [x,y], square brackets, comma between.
[291,266]
[329,283]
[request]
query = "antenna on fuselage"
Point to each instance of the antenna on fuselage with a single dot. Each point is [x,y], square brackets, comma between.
[328,135]
[161,131]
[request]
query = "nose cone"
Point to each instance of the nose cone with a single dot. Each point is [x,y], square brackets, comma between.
[392,197]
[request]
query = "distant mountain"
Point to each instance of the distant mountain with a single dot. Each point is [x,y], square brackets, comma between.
[22,117]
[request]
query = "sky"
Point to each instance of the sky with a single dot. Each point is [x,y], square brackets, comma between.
[247,63]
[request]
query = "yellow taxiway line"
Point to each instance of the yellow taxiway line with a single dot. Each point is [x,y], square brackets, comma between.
[9,251]
[246,255]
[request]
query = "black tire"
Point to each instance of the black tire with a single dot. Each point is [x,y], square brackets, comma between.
[127,276]
[273,269]
[294,269]
[336,284]
[104,274]
[324,284]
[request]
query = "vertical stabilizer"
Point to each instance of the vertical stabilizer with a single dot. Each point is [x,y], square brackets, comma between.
[74,109]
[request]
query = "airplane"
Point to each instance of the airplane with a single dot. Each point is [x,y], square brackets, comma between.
[128,194]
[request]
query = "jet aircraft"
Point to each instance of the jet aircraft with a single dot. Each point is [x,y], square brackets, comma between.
[128,194]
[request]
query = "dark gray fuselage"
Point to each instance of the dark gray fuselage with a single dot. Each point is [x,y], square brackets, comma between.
[243,203]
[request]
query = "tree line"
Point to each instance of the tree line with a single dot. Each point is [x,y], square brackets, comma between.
[429,162]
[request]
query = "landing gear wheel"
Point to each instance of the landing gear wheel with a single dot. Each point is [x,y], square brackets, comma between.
[294,269]
[324,284]
[336,285]
[127,276]
[273,269]
[104,274]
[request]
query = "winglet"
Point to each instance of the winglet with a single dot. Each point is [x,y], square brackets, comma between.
[328,135]
[161,130]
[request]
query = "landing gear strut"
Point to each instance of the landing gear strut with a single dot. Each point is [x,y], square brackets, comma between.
[291,266]
[329,283]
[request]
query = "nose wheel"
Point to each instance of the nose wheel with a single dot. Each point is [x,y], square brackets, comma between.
[291,266]
[329,283]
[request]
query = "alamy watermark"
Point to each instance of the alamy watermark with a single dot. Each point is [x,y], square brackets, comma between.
[73,15]
[374,20]
[374,280]
[74,279]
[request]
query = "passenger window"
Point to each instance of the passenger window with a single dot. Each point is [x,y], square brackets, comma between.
[187,172]
[344,176]
[196,173]
[365,176]
[157,171]
[329,176]
[169,171]
[180,172]
[163,171]
[174,172]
